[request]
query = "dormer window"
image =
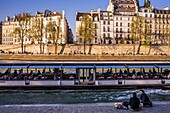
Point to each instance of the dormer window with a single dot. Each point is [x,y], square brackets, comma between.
[80,18]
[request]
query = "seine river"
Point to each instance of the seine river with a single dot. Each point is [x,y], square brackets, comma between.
[75,96]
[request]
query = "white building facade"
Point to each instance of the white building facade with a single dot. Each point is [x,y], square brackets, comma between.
[114,24]
[9,25]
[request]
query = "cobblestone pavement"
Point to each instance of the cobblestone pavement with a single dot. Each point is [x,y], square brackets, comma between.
[158,107]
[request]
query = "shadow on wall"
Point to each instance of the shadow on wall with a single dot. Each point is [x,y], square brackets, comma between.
[62,49]
[90,49]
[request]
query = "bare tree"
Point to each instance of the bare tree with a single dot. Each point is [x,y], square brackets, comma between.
[86,30]
[141,32]
[55,32]
[37,31]
[23,28]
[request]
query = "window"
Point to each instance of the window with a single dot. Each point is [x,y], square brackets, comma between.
[128,36]
[117,35]
[163,16]
[95,40]
[104,29]
[80,18]
[120,35]
[121,24]
[128,24]
[108,28]
[146,15]
[121,30]
[151,15]
[108,35]
[116,18]
[95,25]
[128,30]
[120,18]
[116,23]
[116,30]
[95,33]
[108,22]
[104,35]
[81,40]
[104,22]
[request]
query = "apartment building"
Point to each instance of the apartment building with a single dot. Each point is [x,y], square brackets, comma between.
[8,27]
[0,32]
[10,24]
[162,25]
[113,26]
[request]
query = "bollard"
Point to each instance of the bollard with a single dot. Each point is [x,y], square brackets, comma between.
[120,82]
[162,81]
[27,82]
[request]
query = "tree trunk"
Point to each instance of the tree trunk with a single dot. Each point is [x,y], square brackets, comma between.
[133,48]
[150,47]
[56,47]
[84,48]
[43,48]
[22,45]
[140,44]
[40,48]
[41,44]
[90,48]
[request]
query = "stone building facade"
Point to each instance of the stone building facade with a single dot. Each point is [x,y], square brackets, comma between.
[114,24]
[10,24]
[0,32]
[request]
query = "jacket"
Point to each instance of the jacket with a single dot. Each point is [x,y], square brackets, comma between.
[134,103]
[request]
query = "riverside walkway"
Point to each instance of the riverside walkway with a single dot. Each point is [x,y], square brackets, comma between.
[158,107]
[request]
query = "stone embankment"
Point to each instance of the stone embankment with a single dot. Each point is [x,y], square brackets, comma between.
[158,107]
[90,49]
[53,57]
[93,53]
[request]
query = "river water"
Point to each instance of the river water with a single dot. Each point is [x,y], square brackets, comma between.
[75,96]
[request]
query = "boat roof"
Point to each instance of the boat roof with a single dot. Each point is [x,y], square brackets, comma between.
[85,65]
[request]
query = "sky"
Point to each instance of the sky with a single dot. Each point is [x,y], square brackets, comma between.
[12,7]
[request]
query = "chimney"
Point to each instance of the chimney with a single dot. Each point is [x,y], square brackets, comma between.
[7,18]
[99,10]
[92,11]
[166,8]
[63,13]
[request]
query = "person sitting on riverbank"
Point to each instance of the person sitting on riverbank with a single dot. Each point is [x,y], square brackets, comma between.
[145,101]
[134,103]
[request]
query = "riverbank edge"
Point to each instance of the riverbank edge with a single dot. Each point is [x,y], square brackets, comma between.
[54,58]
[81,104]
[164,87]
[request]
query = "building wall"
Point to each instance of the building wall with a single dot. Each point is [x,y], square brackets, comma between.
[162,26]
[120,13]
[113,24]
[0,33]
[7,32]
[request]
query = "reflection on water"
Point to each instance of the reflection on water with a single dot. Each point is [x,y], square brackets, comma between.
[75,96]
